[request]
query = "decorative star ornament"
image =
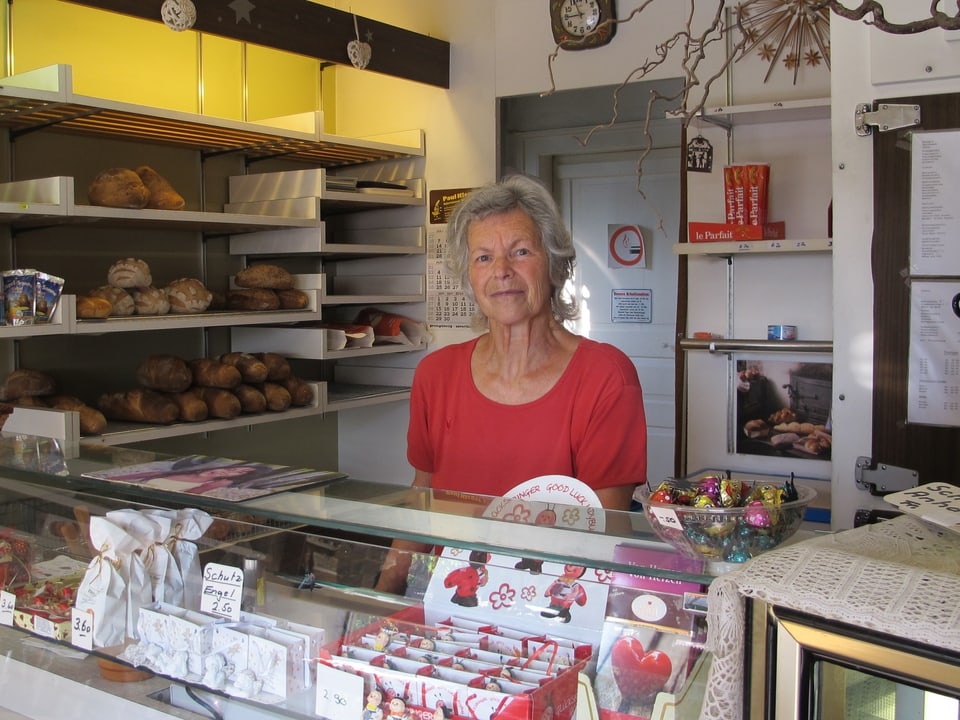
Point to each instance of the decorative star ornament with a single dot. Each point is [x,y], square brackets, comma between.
[786,31]
[242,8]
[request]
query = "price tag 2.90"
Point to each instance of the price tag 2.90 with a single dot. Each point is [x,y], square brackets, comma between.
[8,601]
[81,629]
[339,694]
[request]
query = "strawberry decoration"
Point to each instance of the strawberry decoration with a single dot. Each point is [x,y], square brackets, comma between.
[638,673]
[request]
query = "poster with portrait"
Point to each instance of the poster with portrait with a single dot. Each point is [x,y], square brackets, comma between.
[783,408]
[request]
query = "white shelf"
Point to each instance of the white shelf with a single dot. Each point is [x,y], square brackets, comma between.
[779,111]
[308,343]
[724,345]
[744,247]
[315,241]
[342,396]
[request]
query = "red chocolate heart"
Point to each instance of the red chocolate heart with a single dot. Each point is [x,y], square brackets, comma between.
[638,674]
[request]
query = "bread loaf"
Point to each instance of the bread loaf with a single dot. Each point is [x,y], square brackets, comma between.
[301,392]
[164,373]
[264,275]
[150,301]
[252,369]
[24,382]
[31,401]
[92,421]
[251,399]
[253,299]
[210,373]
[129,273]
[162,196]
[221,403]
[139,405]
[192,407]
[278,367]
[188,295]
[121,302]
[278,398]
[293,299]
[91,307]
[118,187]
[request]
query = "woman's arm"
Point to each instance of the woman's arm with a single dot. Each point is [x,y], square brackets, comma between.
[396,566]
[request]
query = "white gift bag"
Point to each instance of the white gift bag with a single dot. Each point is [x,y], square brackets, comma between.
[103,590]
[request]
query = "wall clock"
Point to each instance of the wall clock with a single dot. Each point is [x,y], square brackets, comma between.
[582,24]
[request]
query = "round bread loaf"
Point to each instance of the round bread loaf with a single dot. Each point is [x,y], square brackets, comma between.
[293,299]
[129,273]
[121,302]
[24,382]
[93,307]
[150,301]
[162,194]
[119,188]
[253,299]
[264,275]
[188,295]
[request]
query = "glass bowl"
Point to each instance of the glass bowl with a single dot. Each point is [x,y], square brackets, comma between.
[725,534]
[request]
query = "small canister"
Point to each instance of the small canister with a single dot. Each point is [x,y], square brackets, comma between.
[781,332]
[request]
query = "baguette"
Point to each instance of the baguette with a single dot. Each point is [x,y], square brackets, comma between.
[278,367]
[301,392]
[264,275]
[164,373]
[251,399]
[210,373]
[278,397]
[192,407]
[221,403]
[252,369]
[139,405]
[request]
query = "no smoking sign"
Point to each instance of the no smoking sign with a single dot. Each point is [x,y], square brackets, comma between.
[626,246]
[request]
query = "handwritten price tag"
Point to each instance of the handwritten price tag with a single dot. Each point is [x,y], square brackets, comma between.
[339,694]
[222,590]
[81,629]
[8,601]
[667,518]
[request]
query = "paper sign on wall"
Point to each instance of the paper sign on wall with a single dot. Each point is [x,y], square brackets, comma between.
[626,246]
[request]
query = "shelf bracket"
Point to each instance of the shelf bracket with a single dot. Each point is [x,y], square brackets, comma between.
[883,478]
[886,117]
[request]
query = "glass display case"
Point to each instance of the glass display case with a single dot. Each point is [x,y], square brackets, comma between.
[511,607]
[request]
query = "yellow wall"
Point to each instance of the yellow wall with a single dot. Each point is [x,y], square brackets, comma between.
[143,62]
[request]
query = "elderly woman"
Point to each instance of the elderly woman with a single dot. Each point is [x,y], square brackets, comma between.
[527,397]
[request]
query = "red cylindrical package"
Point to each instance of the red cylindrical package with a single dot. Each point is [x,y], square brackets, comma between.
[758,183]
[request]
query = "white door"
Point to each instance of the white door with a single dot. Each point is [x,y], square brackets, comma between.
[600,192]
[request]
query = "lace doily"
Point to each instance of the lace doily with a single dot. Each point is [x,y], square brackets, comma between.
[900,577]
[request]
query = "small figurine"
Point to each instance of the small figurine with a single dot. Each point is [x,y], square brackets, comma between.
[467,580]
[397,709]
[564,592]
[372,710]
[381,641]
[309,582]
[215,671]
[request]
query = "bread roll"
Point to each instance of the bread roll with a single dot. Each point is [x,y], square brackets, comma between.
[264,275]
[121,302]
[36,401]
[251,399]
[301,392]
[253,299]
[119,188]
[278,398]
[139,405]
[150,301]
[293,299]
[210,373]
[91,307]
[162,196]
[278,367]
[252,369]
[24,382]
[92,421]
[129,273]
[164,373]
[192,407]
[756,429]
[221,403]
[188,295]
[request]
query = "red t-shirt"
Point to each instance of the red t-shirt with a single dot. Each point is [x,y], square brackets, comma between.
[590,425]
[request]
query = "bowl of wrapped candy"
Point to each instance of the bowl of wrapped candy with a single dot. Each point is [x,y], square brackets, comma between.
[724,520]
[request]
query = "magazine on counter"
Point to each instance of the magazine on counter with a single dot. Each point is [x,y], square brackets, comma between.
[215,477]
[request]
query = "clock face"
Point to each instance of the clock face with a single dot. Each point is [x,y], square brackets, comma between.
[579,17]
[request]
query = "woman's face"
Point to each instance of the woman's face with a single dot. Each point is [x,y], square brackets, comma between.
[509,269]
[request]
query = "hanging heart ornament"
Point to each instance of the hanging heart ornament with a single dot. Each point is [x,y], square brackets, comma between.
[359,53]
[178,15]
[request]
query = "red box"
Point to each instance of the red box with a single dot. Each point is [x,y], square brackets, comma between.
[390,670]
[724,232]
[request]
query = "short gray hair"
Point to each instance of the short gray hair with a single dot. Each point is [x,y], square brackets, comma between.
[516,192]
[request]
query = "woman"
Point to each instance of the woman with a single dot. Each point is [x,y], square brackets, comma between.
[527,397]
